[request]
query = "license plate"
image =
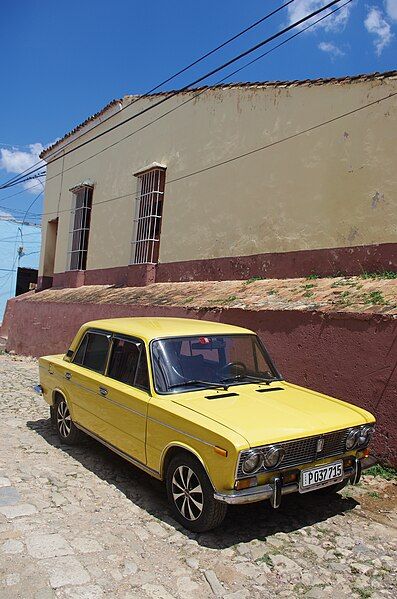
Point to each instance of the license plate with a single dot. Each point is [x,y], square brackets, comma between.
[321,476]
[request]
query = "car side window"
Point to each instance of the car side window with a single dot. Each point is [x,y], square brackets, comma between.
[128,363]
[93,352]
[79,355]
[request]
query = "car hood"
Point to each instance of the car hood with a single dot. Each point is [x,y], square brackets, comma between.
[284,411]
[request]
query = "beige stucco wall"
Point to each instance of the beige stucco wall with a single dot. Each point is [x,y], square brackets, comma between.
[335,186]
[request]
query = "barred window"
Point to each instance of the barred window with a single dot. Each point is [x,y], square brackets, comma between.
[80,227]
[148,213]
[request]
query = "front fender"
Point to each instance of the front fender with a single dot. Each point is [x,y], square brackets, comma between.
[171,448]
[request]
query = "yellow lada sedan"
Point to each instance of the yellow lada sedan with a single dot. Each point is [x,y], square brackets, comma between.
[202,406]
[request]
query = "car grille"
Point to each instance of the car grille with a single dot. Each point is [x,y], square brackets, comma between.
[302,451]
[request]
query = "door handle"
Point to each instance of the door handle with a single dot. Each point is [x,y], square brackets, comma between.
[103,391]
[68,376]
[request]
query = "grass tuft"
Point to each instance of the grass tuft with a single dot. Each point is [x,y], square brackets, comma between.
[382,471]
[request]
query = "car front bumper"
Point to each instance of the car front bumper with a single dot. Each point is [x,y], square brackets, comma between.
[276,489]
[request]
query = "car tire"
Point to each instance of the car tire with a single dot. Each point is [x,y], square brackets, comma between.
[191,495]
[332,489]
[67,432]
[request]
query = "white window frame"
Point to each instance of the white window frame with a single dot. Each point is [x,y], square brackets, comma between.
[148,215]
[82,230]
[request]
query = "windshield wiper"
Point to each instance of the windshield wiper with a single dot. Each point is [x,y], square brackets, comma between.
[254,379]
[197,382]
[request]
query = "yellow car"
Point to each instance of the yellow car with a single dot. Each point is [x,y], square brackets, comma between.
[201,406]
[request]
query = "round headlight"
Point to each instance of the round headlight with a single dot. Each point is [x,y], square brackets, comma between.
[252,462]
[352,438]
[365,435]
[273,456]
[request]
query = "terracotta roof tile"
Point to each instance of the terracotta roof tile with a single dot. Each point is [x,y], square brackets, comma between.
[225,86]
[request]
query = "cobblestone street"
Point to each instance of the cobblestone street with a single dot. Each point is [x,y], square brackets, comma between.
[79,522]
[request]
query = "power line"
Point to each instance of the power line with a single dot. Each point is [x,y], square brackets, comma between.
[17,182]
[222,45]
[19,192]
[200,92]
[170,95]
[249,153]
[184,69]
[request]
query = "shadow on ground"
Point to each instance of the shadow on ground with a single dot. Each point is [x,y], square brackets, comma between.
[242,523]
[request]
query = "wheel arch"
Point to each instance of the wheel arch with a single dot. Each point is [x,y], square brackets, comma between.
[57,392]
[175,448]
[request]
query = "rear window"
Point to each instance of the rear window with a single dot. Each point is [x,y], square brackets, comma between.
[93,352]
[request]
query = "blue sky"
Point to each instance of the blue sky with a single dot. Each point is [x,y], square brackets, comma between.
[63,61]
[13,237]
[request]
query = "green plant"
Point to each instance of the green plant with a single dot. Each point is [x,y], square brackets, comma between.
[308,294]
[272,292]
[312,276]
[308,285]
[363,593]
[252,280]
[374,494]
[374,297]
[385,274]
[265,559]
[382,471]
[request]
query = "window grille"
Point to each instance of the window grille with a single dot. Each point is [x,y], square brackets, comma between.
[80,228]
[148,213]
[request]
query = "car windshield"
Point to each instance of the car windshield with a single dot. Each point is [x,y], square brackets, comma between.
[192,363]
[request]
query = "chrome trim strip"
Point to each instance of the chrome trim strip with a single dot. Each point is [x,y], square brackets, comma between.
[119,452]
[181,432]
[133,411]
[263,492]
[120,405]
[286,442]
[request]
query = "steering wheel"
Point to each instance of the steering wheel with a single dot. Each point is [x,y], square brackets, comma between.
[230,365]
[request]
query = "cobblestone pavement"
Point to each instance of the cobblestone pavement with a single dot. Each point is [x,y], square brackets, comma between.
[82,523]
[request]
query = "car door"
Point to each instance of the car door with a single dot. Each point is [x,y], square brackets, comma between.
[85,376]
[125,391]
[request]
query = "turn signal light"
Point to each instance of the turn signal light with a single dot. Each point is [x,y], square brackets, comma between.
[246,483]
[220,451]
[290,477]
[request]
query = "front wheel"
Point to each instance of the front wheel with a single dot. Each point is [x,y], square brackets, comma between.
[191,495]
[67,432]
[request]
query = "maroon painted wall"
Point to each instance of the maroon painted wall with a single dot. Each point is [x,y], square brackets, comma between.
[352,357]
[323,262]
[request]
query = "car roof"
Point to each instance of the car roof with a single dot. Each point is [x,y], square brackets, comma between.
[149,328]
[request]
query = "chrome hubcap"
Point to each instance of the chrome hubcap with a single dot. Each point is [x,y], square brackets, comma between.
[187,493]
[63,419]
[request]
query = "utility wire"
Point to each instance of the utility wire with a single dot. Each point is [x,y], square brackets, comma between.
[12,183]
[184,69]
[169,95]
[249,153]
[19,192]
[199,93]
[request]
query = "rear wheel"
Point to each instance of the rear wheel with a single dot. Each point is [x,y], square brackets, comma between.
[67,431]
[191,495]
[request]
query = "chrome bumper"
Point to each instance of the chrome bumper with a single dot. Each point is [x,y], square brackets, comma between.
[38,389]
[275,490]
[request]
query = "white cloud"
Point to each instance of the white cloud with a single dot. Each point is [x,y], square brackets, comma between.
[5,215]
[300,8]
[331,48]
[391,9]
[376,24]
[16,161]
